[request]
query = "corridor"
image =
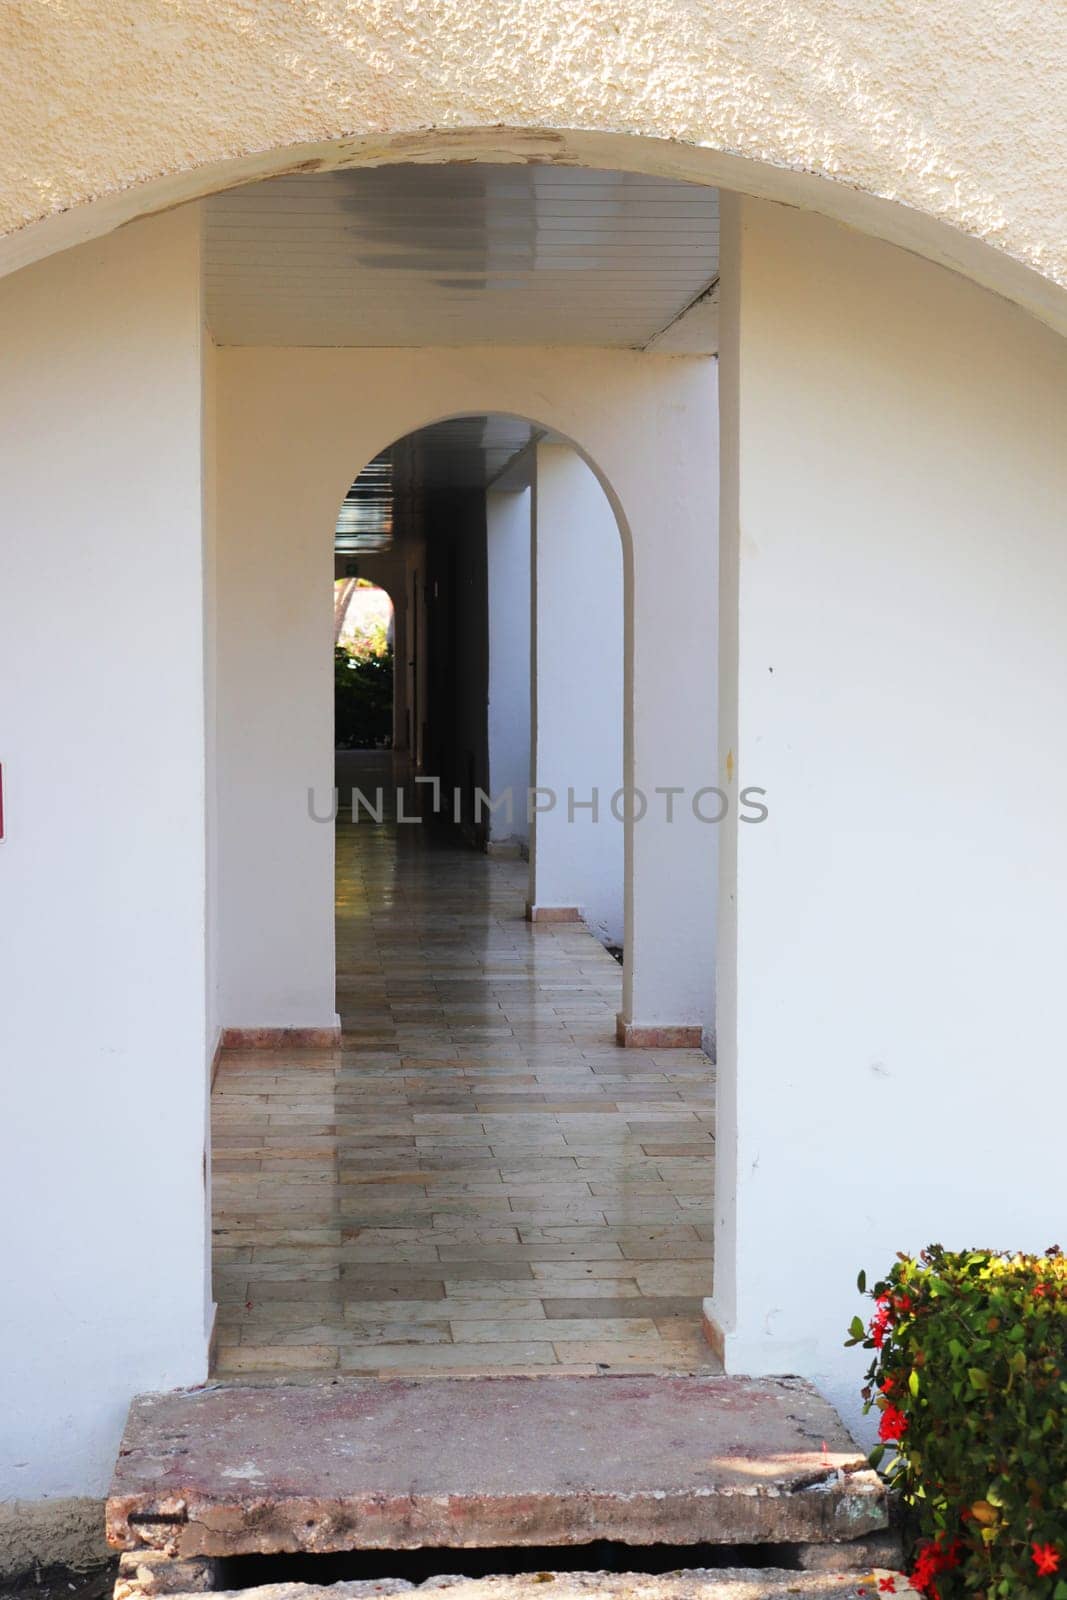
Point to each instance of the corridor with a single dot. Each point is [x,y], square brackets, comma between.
[479,1180]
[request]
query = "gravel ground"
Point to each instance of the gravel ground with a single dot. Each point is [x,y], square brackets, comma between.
[61,1583]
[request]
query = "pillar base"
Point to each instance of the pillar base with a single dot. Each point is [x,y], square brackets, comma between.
[762,1355]
[714,1337]
[552,913]
[506,850]
[658,1035]
[281,1038]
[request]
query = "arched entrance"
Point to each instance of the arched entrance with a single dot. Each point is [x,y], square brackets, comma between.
[891,449]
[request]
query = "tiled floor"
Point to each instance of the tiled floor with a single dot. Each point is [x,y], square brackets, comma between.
[479,1180]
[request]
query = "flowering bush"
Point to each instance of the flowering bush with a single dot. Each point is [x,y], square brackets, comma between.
[969,1374]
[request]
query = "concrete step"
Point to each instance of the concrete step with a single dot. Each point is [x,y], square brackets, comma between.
[482,1462]
[723,1583]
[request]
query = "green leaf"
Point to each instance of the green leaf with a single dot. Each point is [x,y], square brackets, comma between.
[913,1382]
[979,1379]
[856,1328]
[861,1283]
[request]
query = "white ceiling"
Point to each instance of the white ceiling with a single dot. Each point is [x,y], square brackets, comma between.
[413,255]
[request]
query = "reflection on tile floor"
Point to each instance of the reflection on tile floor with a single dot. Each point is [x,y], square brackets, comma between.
[479,1180]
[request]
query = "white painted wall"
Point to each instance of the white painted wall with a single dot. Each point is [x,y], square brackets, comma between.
[578,854]
[508,536]
[211,632]
[894,525]
[295,425]
[102,871]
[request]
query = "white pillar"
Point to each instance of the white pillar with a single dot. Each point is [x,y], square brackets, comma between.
[275,568]
[577,850]
[103,1015]
[895,671]
[508,552]
[669,991]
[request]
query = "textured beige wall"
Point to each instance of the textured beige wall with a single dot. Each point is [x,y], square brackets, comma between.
[943,127]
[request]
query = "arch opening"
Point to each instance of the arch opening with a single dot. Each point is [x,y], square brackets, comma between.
[520,358]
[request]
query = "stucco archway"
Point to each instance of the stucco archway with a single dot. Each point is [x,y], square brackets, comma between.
[895,131]
[934,237]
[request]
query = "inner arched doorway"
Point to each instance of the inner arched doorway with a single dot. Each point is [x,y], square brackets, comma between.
[506,554]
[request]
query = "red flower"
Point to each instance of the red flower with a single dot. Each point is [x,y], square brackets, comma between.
[879,1325]
[894,1424]
[931,1560]
[887,1585]
[927,1566]
[951,1556]
[1046,1559]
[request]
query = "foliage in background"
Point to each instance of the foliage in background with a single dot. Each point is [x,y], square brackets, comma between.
[970,1376]
[362,665]
[362,699]
[362,616]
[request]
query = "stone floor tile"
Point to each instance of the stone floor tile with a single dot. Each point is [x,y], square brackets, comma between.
[479,1179]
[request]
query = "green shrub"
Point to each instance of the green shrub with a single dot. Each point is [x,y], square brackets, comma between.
[362,699]
[970,1377]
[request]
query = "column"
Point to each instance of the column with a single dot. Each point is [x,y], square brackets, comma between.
[103,1016]
[894,671]
[508,554]
[577,850]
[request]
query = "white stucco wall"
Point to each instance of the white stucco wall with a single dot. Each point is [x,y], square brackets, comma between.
[896,556]
[211,641]
[578,857]
[508,549]
[102,870]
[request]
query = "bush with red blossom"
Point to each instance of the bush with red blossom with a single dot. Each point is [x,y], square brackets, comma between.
[969,1375]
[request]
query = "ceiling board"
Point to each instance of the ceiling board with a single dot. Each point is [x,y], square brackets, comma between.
[480,254]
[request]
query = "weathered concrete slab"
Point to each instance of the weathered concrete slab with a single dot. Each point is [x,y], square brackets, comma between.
[488,1461]
[724,1583]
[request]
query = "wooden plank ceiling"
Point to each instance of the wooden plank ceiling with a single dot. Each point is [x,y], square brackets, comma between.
[458,255]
